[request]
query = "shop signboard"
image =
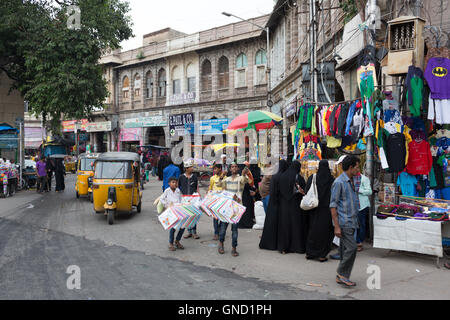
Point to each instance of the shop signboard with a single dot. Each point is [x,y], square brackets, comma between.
[182,98]
[9,141]
[130,134]
[212,126]
[177,123]
[98,126]
[153,121]
[69,125]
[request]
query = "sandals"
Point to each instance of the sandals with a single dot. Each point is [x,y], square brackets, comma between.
[360,247]
[172,248]
[220,249]
[188,236]
[323,259]
[234,253]
[179,245]
[216,237]
[195,236]
[344,281]
[447,265]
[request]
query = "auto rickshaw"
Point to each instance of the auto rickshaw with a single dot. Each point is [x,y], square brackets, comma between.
[70,164]
[85,172]
[116,184]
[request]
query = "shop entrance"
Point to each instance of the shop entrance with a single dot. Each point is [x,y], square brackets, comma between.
[101,140]
[156,136]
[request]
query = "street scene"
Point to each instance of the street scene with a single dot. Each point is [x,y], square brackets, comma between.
[275,150]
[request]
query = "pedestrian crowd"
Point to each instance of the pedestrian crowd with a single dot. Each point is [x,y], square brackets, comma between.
[341,211]
[45,168]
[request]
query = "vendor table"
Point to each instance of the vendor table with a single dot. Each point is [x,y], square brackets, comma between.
[420,236]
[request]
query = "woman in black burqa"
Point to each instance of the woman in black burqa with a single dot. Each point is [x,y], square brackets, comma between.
[292,221]
[249,196]
[321,231]
[270,231]
[60,171]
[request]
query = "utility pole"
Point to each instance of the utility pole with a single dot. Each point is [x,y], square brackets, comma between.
[313,49]
[372,6]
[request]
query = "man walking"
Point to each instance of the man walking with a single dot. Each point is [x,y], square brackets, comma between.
[41,173]
[344,206]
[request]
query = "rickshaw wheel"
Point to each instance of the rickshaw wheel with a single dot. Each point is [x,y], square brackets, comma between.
[139,207]
[110,216]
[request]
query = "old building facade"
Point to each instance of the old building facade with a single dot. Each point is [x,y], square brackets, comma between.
[208,77]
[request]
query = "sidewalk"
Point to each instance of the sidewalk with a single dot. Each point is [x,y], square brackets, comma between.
[403,275]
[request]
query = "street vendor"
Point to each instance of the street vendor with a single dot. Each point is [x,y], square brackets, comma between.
[214,186]
[234,184]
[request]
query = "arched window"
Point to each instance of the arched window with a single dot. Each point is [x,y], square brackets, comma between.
[125,87]
[223,73]
[191,79]
[162,83]
[260,57]
[241,71]
[176,80]
[149,85]
[206,76]
[241,61]
[260,64]
[137,85]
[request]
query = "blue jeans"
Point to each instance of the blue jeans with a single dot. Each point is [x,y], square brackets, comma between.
[172,235]
[361,234]
[265,202]
[193,230]
[234,233]
[216,226]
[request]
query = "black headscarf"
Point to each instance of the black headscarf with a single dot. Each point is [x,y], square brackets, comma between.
[324,177]
[282,166]
[289,178]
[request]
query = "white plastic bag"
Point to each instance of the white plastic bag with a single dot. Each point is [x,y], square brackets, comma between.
[311,200]
[260,216]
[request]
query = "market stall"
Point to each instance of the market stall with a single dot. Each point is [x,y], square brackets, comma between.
[417,225]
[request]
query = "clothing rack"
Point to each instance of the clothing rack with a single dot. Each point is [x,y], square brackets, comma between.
[328,103]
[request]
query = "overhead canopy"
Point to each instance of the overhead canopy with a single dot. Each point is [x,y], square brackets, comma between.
[119,156]
[7,127]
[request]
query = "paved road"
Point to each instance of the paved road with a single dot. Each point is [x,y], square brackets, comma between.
[42,235]
[40,239]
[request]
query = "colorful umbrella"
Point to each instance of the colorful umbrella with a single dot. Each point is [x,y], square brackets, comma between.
[258,120]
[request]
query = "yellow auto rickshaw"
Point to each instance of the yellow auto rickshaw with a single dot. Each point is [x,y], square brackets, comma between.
[116,184]
[70,164]
[85,172]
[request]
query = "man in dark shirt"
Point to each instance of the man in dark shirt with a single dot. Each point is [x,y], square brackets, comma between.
[188,185]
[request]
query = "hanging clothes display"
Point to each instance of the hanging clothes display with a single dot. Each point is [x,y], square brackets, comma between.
[420,160]
[414,90]
[438,79]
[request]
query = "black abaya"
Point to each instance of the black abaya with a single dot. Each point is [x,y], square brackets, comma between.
[59,175]
[270,231]
[247,219]
[292,221]
[321,232]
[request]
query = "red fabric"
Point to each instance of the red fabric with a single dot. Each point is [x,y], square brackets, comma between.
[336,117]
[327,119]
[420,160]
